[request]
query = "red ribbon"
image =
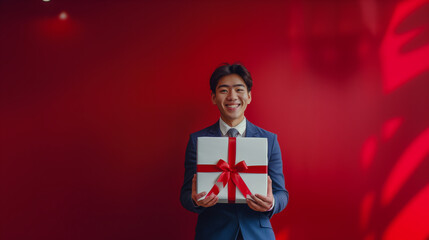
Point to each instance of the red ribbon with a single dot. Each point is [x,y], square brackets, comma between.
[230,173]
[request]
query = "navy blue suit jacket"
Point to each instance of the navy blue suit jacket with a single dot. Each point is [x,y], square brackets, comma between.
[222,221]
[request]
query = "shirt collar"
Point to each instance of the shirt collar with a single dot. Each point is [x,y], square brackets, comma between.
[241,127]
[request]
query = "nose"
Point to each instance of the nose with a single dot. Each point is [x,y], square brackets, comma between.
[232,95]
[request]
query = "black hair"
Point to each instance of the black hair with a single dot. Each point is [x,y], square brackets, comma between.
[228,69]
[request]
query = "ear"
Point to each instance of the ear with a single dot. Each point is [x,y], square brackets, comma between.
[249,99]
[214,98]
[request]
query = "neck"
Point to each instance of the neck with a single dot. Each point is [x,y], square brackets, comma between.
[234,122]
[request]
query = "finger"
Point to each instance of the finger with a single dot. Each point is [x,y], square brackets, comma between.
[204,201]
[197,197]
[258,207]
[270,187]
[250,205]
[213,201]
[260,202]
[268,201]
[263,198]
[253,205]
[200,195]
[257,200]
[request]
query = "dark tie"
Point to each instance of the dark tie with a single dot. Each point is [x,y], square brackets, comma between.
[232,132]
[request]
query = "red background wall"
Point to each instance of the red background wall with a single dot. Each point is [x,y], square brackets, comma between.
[96,110]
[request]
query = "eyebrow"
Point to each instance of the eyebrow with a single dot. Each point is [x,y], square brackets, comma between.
[235,85]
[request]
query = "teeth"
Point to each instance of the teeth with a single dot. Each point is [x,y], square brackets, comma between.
[232,105]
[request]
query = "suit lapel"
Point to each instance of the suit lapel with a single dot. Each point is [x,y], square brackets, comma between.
[251,130]
[215,130]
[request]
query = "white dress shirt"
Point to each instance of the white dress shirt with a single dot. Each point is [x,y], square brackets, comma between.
[241,128]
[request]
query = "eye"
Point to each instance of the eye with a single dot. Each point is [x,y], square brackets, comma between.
[240,90]
[223,91]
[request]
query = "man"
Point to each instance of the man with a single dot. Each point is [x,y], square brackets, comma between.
[231,91]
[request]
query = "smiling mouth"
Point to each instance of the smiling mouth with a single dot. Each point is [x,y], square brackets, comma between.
[232,106]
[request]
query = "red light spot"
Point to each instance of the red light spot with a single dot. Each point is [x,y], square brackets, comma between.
[399,68]
[412,221]
[366,208]
[407,163]
[283,234]
[390,127]
[368,151]
[63,16]
[56,29]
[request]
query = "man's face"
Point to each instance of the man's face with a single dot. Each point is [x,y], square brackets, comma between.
[231,97]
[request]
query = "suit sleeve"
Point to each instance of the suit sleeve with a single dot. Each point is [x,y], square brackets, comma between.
[190,170]
[275,171]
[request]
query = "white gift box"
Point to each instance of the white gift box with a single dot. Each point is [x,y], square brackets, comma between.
[251,150]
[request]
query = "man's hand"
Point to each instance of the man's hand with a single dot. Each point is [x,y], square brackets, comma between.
[261,203]
[206,202]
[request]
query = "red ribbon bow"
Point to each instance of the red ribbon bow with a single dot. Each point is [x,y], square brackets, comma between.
[230,173]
